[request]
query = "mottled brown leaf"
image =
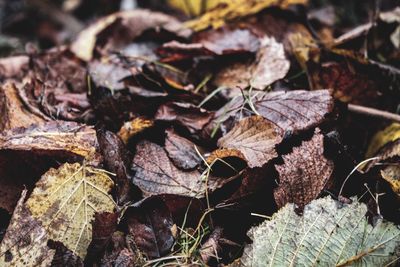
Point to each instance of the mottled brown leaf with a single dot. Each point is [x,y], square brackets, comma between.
[187,115]
[304,174]
[255,137]
[25,242]
[181,151]
[54,137]
[155,174]
[13,112]
[270,65]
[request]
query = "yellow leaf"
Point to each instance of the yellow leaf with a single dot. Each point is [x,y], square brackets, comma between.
[226,10]
[132,128]
[194,7]
[65,201]
[392,175]
[381,138]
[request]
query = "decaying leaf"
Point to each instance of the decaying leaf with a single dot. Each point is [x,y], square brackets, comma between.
[12,110]
[131,24]
[392,175]
[328,234]
[255,137]
[229,10]
[25,242]
[155,174]
[132,128]
[181,151]
[54,137]
[270,65]
[304,174]
[294,111]
[65,201]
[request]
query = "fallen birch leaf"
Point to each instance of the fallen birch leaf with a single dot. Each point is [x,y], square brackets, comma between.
[328,234]
[65,201]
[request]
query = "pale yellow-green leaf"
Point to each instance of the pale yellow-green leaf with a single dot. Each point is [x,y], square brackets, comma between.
[65,201]
[329,233]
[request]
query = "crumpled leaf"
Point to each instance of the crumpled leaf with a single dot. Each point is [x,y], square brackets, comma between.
[181,151]
[155,174]
[328,234]
[54,137]
[13,112]
[25,242]
[270,65]
[255,137]
[130,25]
[304,174]
[392,175]
[65,201]
[231,9]
[187,115]
[131,128]
[294,111]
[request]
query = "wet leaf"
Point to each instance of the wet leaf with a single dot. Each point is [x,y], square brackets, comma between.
[255,137]
[304,174]
[13,111]
[181,151]
[155,174]
[329,233]
[25,242]
[65,201]
[269,66]
[54,137]
[229,10]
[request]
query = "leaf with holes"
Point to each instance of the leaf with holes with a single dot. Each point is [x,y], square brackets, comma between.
[328,234]
[65,201]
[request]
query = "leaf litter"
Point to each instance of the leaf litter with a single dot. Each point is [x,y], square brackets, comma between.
[201,133]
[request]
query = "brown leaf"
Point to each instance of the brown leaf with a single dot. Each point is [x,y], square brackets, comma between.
[294,111]
[150,226]
[187,115]
[119,29]
[25,242]
[134,127]
[155,174]
[304,174]
[54,138]
[255,137]
[270,65]
[181,151]
[211,247]
[117,160]
[13,112]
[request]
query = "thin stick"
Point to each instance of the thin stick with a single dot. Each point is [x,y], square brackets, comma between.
[374,112]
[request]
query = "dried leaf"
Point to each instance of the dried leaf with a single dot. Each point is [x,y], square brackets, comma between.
[25,242]
[328,234]
[304,174]
[65,201]
[392,175]
[185,114]
[270,65]
[255,137]
[181,151]
[294,111]
[155,174]
[134,127]
[54,137]
[130,25]
[13,112]
[229,10]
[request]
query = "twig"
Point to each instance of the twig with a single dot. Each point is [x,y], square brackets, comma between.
[374,112]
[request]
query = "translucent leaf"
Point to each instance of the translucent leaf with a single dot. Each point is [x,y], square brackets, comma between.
[328,234]
[65,201]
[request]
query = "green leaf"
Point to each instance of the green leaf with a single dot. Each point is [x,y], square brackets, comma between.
[329,233]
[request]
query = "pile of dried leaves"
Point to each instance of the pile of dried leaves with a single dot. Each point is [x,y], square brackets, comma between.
[256,133]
